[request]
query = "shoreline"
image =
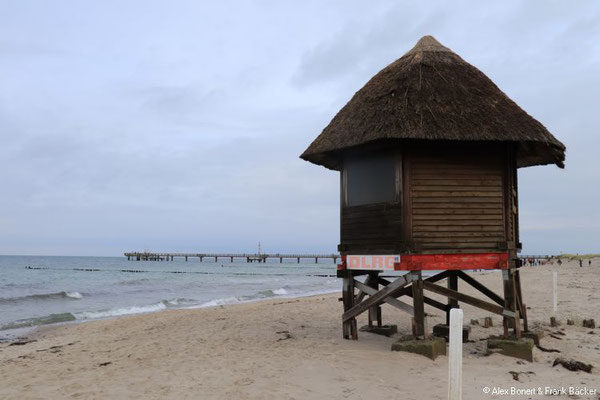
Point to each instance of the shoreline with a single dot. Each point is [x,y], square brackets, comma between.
[292,349]
[6,336]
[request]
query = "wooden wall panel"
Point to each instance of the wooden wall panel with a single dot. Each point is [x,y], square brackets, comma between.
[372,228]
[458,201]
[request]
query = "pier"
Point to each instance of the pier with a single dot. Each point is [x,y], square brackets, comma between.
[248,257]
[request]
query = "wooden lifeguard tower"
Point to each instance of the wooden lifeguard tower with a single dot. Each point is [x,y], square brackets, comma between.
[428,152]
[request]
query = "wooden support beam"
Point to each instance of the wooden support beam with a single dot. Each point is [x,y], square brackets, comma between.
[510,303]
[479,286]
[418,304]
[452,303]
[375,311]
[433,303]
[475,302]
[407,290]
[521,306]
[349,326]
[362,293]
[434,278]
[377,298]
[390,300]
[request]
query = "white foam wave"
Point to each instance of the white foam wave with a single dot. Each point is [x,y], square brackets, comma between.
[218,302]
[178,302]
[116,312]
[74,295]
[280,292]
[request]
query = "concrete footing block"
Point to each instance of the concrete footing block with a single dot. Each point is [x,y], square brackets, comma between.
[521,348]
[533,335]
[385,330]
[443,331]
[431,348]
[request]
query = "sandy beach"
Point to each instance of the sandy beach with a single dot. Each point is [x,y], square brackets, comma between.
[293,349]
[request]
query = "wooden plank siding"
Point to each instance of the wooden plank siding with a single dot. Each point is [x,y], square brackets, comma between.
[372,228]
[451,198]
[457,200]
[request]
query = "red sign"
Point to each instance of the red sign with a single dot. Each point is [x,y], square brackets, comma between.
[412,262]
[453,261]
[370,262]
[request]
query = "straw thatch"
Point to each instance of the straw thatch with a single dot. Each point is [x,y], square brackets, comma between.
[430,93]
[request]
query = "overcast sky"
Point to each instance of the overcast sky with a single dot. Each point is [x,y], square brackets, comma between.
[177,125]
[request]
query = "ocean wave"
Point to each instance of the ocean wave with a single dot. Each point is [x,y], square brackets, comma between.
[265,294]
[280,292]
[117,312]
[41,297]
[162,305]
[178,302]
[45,320]
[132,282]
[261,295]
[219,302]
[88,315]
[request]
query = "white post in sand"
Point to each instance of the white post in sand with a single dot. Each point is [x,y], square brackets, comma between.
[555,292]
[455,357]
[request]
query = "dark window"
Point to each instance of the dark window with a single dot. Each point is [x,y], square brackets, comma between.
[371,180]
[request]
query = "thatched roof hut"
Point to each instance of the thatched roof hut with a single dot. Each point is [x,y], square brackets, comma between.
[431,93]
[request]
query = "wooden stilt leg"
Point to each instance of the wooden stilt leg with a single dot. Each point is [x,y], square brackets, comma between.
[349,327]
[418,304]
[524,316]
[510,303]
[452,285]
[520,304]
[374,312]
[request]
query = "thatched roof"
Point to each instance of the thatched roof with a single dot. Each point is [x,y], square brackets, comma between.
[430,93]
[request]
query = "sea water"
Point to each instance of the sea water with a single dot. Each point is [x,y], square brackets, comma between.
[40,290]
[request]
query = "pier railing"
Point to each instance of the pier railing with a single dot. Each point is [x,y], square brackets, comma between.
[248,257]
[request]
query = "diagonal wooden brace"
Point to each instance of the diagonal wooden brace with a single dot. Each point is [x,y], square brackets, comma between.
[390,300]
[475,302]
[362,293]
[378,298]
[479,286]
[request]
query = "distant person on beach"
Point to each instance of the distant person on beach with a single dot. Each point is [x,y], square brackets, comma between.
[589,263]
[580,263]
